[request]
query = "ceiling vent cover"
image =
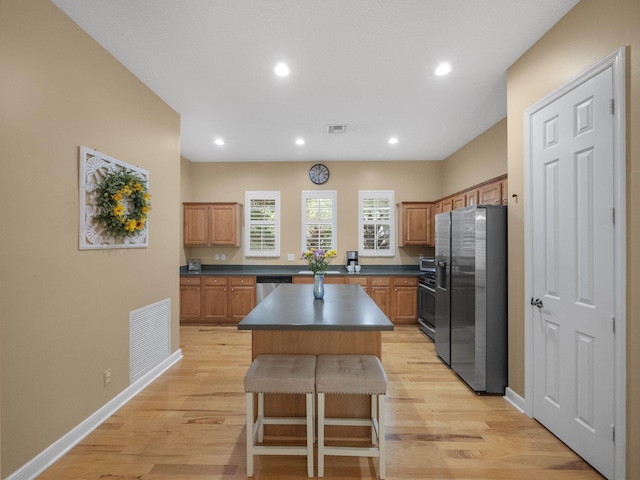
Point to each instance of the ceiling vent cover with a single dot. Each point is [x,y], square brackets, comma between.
[337,128]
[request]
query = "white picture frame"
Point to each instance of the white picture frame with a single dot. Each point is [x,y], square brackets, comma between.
[94,167]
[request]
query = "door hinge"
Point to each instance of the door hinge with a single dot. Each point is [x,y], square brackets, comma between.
[611,106]
[613,324]
[613,433]
[612,214]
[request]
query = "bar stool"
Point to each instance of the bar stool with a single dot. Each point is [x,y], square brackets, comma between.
[358,375]
[278,374]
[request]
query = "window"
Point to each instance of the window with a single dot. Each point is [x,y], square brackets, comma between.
[262,224]
[376,223]
[319,219]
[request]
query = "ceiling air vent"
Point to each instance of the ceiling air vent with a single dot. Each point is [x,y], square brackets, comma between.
[337,128]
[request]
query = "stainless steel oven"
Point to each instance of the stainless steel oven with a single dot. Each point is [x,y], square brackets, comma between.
[427,297]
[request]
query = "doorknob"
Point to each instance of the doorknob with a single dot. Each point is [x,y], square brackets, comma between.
[537,302]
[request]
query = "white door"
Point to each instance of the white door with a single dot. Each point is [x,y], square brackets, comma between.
[573,269]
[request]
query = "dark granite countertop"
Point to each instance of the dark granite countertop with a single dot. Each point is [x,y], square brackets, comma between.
[292,307]
[286,270]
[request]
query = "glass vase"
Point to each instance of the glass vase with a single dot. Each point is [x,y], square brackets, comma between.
[318,286]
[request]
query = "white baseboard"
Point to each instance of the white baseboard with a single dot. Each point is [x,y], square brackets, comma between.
[514,399]
[51,454]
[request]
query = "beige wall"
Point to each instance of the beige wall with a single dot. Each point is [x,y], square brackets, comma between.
[483,158]
[220,182]
[64,312]
[588,33]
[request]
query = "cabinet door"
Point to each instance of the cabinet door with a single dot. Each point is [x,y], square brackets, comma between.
[471,197]
[190,304]
[380,292]
[222,226]
[215,300]
[242,297]
[490,194]
[405,298]
[459,201]
[415,226]
[447,205]
[505,190]
[196,225]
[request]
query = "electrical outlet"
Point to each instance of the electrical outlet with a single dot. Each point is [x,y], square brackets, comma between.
[222,256]
[290,257]
[107,377]
[217,256]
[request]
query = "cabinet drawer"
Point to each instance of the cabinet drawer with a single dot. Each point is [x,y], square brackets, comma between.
[362,281]
[242,280]
[380,281]
[215,280]
[193,281]
[405,282]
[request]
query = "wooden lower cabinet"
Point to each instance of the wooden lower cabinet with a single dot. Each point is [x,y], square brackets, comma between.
[242,297]
[216,300]
[190,299]
[380,292]
[405,300]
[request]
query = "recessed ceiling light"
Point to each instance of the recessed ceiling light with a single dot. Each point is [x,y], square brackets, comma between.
[282,69]
[300,141]
[219,142]
[443,69]
[393,140]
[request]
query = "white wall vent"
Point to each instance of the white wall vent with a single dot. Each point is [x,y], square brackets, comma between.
[337,128]
[150,337]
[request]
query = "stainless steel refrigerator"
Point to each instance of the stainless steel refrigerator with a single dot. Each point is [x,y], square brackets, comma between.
[471,295]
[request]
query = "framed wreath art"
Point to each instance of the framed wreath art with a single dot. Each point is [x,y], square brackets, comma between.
[114,202]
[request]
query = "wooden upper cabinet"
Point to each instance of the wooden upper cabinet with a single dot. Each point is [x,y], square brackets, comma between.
[459,201]
[415,223]
[490,194]
[471,197]
[207,224]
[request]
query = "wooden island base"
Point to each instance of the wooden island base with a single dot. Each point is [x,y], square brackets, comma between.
[317,343]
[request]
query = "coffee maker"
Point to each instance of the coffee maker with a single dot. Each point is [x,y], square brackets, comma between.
[352,258]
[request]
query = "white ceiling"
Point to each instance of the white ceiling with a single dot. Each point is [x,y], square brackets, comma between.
[365,63]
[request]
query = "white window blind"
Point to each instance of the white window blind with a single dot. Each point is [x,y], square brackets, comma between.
[376,223]
[319,219]
[262,224]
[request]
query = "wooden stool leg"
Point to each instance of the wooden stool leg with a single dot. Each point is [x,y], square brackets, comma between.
[261,417]
[374,410]
[250,434]
[320,434]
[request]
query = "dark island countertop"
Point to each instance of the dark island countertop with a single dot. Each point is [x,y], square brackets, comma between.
[292,307]
[286,270]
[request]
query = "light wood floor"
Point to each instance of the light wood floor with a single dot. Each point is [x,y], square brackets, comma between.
[190,424]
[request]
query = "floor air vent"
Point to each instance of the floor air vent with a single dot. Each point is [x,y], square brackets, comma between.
[150,337]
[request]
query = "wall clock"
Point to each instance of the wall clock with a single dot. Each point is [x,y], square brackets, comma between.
[319,174]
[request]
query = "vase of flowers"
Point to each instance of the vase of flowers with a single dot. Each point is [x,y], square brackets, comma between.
[318,261]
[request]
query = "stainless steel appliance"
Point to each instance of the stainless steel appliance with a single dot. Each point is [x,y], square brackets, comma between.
[352,258]
[476,269]
[426,297]
[443,287]
[265,284]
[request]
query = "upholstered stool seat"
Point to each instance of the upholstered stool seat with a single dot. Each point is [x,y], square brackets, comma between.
[358,375]
[279,374]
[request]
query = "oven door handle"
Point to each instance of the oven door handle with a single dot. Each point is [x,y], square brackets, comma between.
[422,285]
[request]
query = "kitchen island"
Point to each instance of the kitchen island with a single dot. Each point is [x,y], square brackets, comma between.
[289,321]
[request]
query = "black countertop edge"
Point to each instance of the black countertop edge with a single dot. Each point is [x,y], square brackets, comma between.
[318,328]
[286,270]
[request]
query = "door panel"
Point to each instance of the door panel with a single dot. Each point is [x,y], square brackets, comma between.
[573,269]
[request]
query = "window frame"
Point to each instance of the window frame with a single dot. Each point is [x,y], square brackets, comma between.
[261,195]
[320,194]
[377,194]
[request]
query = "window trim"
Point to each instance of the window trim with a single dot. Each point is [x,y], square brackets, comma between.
[385,194]
[330,194]
[261,195]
